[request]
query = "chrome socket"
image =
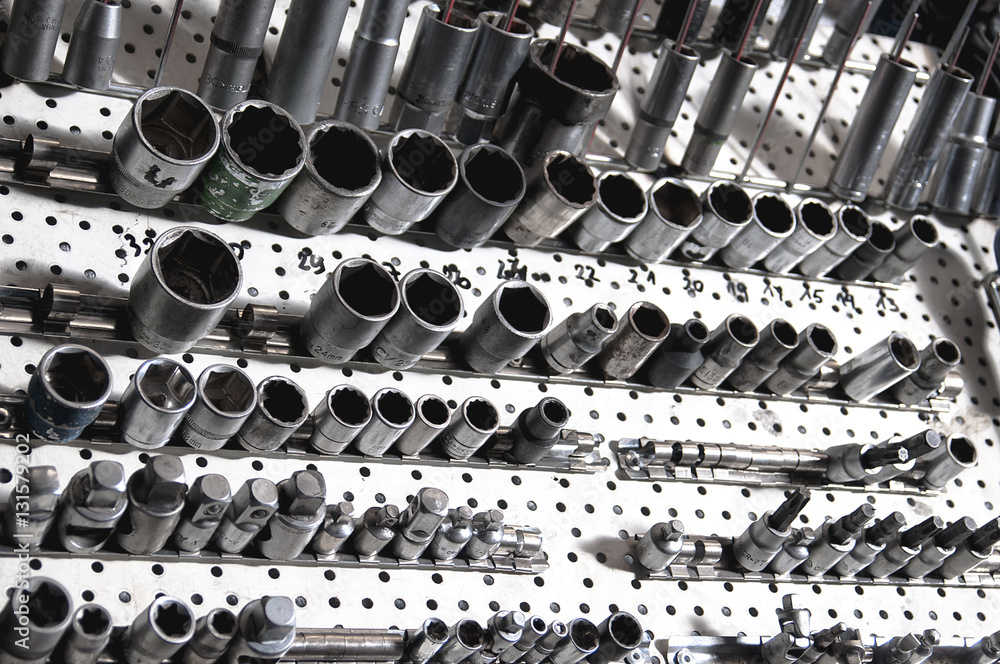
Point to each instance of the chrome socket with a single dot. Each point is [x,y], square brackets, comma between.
[640,332]
[425,644]
[88,635]
[282,407]
[826,551]
[621,205]
[419,522]
[505,327]
[726,210]
[301,511]
[466,639]
[815,347]
[342,170]
[868,256]
[671,19]
[798,21]
[953,183]
[537,430]
[573,342]
[452,535]
[66,392]
[337,528]
[814,227]
[546,643]
[882,365]
[898,552]
[771,223]
[777,340]
[679,355]
[533,630]
[987,194]
[505,629]
[673,211]
[474,423]
[183,289]
[91,505]
[620,634]
[251,508]
[224,399]
[392,414]
[430,307]
[157,633]
[31,507]
[155,402]
[735,20]
[487,534]
[659,546]
[730,343]
[937,359]
[418,171]
[754,549]
[431,416]
[266,631]
[213,634]
[935,552]
[155,500]
[207,501]
[162,146]
[869,545]
[793,552]
[847,463]
[562,189]
[853,229]
[41,607]
[971,551]
[97,33]
[376,529]
[32,36]
[236,42]
[349,310]
[913,240]
[339,419]
[581,640]
[613,15]
[850,20]
[949,461]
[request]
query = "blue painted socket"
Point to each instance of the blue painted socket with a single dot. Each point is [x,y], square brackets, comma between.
[66,392]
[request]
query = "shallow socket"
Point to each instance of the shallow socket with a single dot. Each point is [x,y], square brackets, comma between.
[166,385]
[344,158]
[177,125]
[367,289]
[432,298]
[881,237]
[817,218]
[676,203]
[172,619]
[78,375]
[555,414]
[493,175]
[742,329]
[822,340]
[394,407]
[962,450]
[855,221]
[265,141]
[523,309]
[481,415]
[773,213]
[229,390]
[197,267]
[423,162]
[283,401]
[350,406]
[434,410]
[622,196]
[730,202]
[649,321]
[570,179]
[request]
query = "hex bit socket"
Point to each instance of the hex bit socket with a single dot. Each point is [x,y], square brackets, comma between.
[726,210]
[659,546]
[93,47]
[236,42]
[936,360]
[432,415]
[251,508]
[561,189]
[282,407]
[853,229]
[224,399]
[907,544]
[33,620]
[155,500]
[640,332]
[505,327]
[680,354]
[392,414]
[162,629]
[835,540]
[673,211]
[91,505]
[88,635]
[815,347]
[777,340]
[578,338]
[793,552]
[621,205]
[853,462]
[730,343]
[66,392]
[814,226]
[537,430]
[337,421]
[878,367]
[771,222]
[871,542]
[917,446]
[155,402]
[944,544]
[32,35]
[971,551]
[472,424]
[300,513]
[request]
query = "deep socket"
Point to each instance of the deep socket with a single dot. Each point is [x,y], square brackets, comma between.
[680,354]
[155,402]
[734,22]
[640,333]
[224,399]
[771,223]
[953,183]
[66,392]
[850,21]
[673,211]
[282,407]
[726,210]
[670,22]
[936,359]
[339,419]
[986,201]
[472,424]
[236,42]
[93,47]
[621,205]
[878,367]
[562,188]
[814,226]
[777,340]
[731,341]
[798,20]
[853,228]
[660,106]
[505,327]
[32,35]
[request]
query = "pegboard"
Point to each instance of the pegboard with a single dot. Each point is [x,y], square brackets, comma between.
[96,243]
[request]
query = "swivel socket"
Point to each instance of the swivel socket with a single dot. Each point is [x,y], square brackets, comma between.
[678,356]
[431,417]
[869,545]
[537,430]
[660,545]
[158,632]
[266,631]
[349,310]
[674,210]
[155,402]
[732,340]
[207,501]
[936,359]
[32,35]
[88,635]
[956,455]
[639,334]
[337,528]
[183,289]
[621,205]
[419,522]
[620,634]
[300,513]
[814,226]
[452,535]
[236,42]
[913,240]
[339,419]
[771,223]
[466,640]
[762,541]
[854,462]
[869,255]
[562,188]
[91,505]
[213,633]
[487,532]
[392,414]
[224,400]
[898,552]
[252,506]
[726,210]
[66,392]
[777,340]
[835,540]
[573,342]
[474,423]
[852,230]
[155,500]
[971,551]
[282,407]
[934,552]
[505,327]
[97,33]
[34,619]
[882,365]
[376,529]
[31,507]
[816,346]
[581,640]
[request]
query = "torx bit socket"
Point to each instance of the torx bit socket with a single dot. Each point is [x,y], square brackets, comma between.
[621,205]
[913,239]
[266,631]
[157,633]
[777,340]
[339,419]
[432,416]
[953,183]
[392,413]
[578,338]
[771,223]
[933,553]
[224,399]
[853,228]
[155,402]
[970,552]
[869,545]
[537,430]
[425,644]
[659,546]
[300,513]
[337,528]
[33,620]
[853,462]
[869,255]
[678,356]
[936,359]
[375,529]
[236,42]
[91,505]
[814,226]
[730,343]
[956,455]
[898,552]
[835,540]
[155,500]
[561,189]
[282,407]
[505,327]
[793,551]
[640,333]
[213,633]
[726,210]
[581,640]
[31,507]
[32,35]
[878,367]
[472,424]
[763,539]
[466,639]
[93,47]
[546,643]
[419,522]
[452,535]
[487,532]
[207,501]
[88,635]
[251,507]
[66,392]
[673,211]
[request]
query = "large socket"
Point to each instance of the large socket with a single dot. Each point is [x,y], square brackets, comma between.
[224,399]
[673,211]
[726,210]
[40,609]
[505,327]
[282,407]
[562,188]
[621,205]
[155,402]
[66,392]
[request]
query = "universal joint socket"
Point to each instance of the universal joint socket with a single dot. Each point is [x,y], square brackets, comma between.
[432,416]
[300,513]
[726,210]
[730,343]
[474,423]
[970,552]
[158,632]
[213,634]
[777,340]
[33,621]
[162,146]
[816,345]
[183,289]
[266,631]
[934,552]
[537,430]
[563,188]
[678,356]
[419,522]
[853,230]
[621,205]
[282,407]
[770,224]
[32,36]
[878,367]
[337,528]
[505,327]
[913,239]
[762,541]
[91,506]
[342,170]
[620,634]
[957,454]
[376,529]
[349,310]
[673,211]
[452,535]
[66,392]
[224,400]
[155,500]
[936,359]
[251,508]
[207,501]
[898,552]
[97,32]
[639,334]
[869,545]
[578,338]
[236,42]
[425,644]
[339,419]
[155,402]
[465,641]
[487,533]
[835,540]
[660,545]
[392,414]
[88,635]
[31,507]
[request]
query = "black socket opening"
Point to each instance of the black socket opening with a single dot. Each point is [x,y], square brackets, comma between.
[265,140]
[368,289]
[555,412]
[571,179]
[482,414]
[882,238]
[177,126]
[433,299]
[173,619]
[605,318]
[696,330]
[962,449]
[229,391]
[947,351]
[622,196]
[437,629]
[47,604]
[283,401]
[650,321]
[856,221]
[742,329]
[730,202]
[774,213]
[344,158]
[77,376]
[518,27]
[784,333]
[166,385]
[470,633]
[905,352]
[577,67]
[822,339]
[435,411]
[494,175]
[424,163]
[677,203]
[817,218]
[524,309]
[93,621]
[394,407]
[350,406]
[537,625]
[626,630]
[584,635]
[224,623]
[924,230]
[198,267]
[458,19]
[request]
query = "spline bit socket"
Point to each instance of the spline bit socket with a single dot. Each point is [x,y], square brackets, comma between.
[375,529]
[311,28]
[903,548]
[97,32]
[556,110]
[987,195]
[869,545]
[342,170]
[562,188]
[853,462]
[878,367]
[183,289]
[777,340]
[639,334]
[91,506]
[153,405]
[66,392]
[936,360]
[762,541]
[913,239]
[971,551]
[537,430]
[34,619]
[429,308]
[850,21]
[581,640]
[734,22]
[853,228]
[224,400]
[465,641]
[252,506]
[434,69]
[491,184]
[660,545]
[213,633]
[942,546]
[673,211]
[349,310]
[88,635]
[452,535]
[418,171]
[497,55]
[533,630]
[31,507]
[337,528]
[392,414]
[679,355]
[158,632]
[578,338]
[155,500]
[263,149]
[956,455]
[771,223]
[869,132]
[505,327]
[431,418]
[344,412]
[300,513]
[162,146]
[793,551]
[207,501]
[798,21]
[726,210]
[546,643]
[266,631]
[814,226]
[425,644]
[621,205]
[487,533]
[32,36]
[954,180]
[835,540]
[718,113]
[670,22]
[282,407]
[917,446]
[732,340]
[939,106]
[369,63]
[620,634]
[474,423]
[236,42]
[418,523]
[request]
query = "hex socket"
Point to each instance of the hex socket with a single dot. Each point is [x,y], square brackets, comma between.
[282,407]
[660,106]
[155,402]
[868,256]
[43,608]
[679,355]
[640,333]
[491,184]
[66,392]
[816,345]
[673,211]
[159,631]
[88,635]
[621,205]
[956,455]
[339,419]
[505,327]
[771,222]
[392,414]
[730,343]
[431,416]
[578,338]
[537,430]
[474,423]
[563,188]
[32,35]
[878,367]
[97,32]
[224,399]
[777,340]
[853,228]
[936,360]
[342,170]
[236,42]
[913,239]
[162,146]
[427,642]
[726,210]
[349,310]
[182,289]
[814,226]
